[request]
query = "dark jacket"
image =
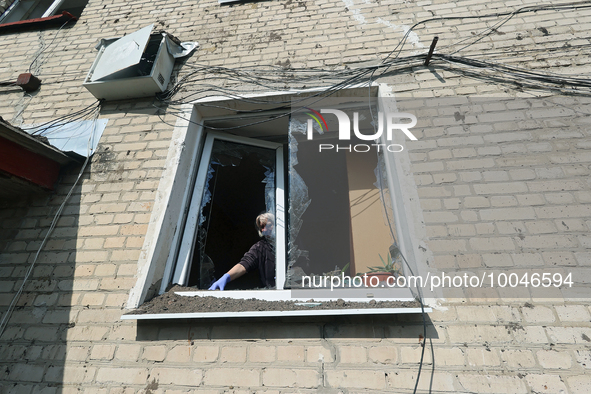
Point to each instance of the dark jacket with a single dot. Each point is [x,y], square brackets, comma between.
[261,256]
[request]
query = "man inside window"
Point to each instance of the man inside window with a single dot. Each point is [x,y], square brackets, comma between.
[261,256]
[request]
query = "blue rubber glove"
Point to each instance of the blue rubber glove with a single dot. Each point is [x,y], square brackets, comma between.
[221,282]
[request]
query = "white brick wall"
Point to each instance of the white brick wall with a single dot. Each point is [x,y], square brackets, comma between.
[503,184]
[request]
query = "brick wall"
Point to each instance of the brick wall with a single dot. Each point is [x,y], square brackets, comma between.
[502,184]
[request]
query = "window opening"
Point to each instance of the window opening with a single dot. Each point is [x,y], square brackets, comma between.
[33,9]
[74,7]
[236,190]
[371,183]
[239,182]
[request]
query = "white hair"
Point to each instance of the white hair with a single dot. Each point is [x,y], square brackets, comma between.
[262,219]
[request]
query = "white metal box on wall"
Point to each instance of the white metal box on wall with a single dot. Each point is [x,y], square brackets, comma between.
[137,65]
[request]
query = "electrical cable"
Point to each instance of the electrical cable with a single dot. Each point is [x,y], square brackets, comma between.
[45,48]
[516,76]
[39,129]
[511,14]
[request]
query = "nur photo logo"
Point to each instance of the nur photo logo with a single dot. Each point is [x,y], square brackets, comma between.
[387,124]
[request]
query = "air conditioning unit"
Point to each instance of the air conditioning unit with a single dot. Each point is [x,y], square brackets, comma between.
[137,65]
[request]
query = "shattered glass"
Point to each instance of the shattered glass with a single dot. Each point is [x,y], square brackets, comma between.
[386,201]
[337,197]
[298,203]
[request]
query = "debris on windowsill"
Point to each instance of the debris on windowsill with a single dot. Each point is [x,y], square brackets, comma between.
[172,303]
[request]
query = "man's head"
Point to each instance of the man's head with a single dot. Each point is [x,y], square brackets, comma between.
[265,224]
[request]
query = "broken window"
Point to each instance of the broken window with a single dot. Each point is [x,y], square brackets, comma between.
[237,181]
[33,9]
[338,206]
[333,208]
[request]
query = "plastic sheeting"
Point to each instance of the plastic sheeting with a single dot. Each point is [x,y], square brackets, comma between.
[81,137]
[301,259]
[386,200]
[298,203]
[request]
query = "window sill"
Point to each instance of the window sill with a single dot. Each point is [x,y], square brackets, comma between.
[272,304]
[50,20]
[311,312]
[321,295]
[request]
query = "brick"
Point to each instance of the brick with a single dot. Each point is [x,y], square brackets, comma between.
[490,383]
[580,384]
[128,375]
[447,245]
[476,314]
[541,227]
[412,355]
[261,354]
[583,358]
[177,376]
[205,354]
[128,352]
[77,353]
[238,377]
[26,373]
[179,354]
[556,241]
[572,313]
[497,260]
[105,270]
[233,354]
[569,335]
[102,352]
[552,359]
[383,354]
[500,188]
[497,243]
[293,353]
[527,259]
[522,174]
[440,217]
[154,353]
[356,379]
[70,374]
[319,354]
[538,314]
[405,380]
[87,333]
[518,359]
[477,334]
[482,357]
[352,354]
[282,377]
[476,202]
[546,383]
[507,213]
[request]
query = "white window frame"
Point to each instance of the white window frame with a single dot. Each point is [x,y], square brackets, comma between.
[163,238]
[187,245]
